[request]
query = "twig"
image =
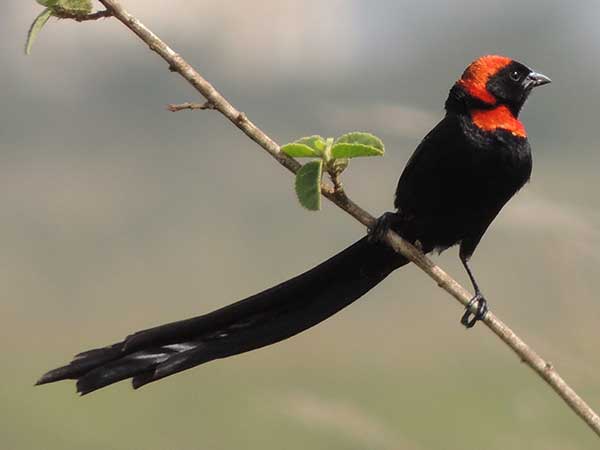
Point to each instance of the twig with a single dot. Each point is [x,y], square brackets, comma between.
[176,63]
[64,14]
[180,107]
[337,181]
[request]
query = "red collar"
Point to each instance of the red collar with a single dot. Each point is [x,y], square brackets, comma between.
[498,117]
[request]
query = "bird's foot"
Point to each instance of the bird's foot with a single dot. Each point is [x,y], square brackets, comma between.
[383,224]
[479,314]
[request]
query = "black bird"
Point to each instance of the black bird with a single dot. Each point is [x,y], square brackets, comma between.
[454,185]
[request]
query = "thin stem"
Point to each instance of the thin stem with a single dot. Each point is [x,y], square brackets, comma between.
[64,14]
[180,107]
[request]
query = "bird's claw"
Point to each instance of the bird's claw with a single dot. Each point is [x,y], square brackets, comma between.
[482,309]
[382,225]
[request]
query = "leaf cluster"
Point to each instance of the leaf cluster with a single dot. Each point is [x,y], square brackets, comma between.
[332,156]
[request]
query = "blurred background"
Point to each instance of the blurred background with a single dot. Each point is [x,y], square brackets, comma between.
[117,215]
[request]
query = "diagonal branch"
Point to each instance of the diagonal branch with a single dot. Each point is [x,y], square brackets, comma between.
[177,64]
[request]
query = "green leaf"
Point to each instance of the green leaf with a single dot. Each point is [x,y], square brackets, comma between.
[75,6]
[361,138]
[315,142]
[297,150]
[35,29]
[307,147]
[344,150]
[48,3]
[308,185]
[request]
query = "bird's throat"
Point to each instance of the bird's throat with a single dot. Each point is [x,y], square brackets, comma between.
[496,118]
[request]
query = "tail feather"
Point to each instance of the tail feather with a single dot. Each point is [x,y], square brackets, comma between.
[146,361]
[262,319]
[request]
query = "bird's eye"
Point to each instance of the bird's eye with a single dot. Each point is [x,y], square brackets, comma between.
[515,75]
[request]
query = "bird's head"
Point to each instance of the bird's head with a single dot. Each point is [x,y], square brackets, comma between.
[492,91]
[492,81]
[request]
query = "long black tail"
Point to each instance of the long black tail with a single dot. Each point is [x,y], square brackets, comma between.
[262,319]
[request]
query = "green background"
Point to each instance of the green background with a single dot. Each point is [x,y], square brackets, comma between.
[117,215]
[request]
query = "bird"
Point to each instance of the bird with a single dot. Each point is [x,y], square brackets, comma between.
[453,186]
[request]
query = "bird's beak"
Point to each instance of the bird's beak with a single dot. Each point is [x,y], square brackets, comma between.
[535,79]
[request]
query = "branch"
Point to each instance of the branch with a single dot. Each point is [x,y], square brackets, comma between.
[174,108]
[177,64]
[64,14]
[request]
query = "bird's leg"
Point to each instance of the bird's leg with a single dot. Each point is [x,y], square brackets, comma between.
[383,224]
[478,298]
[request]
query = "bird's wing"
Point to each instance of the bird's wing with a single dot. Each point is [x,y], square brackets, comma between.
[428,178]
